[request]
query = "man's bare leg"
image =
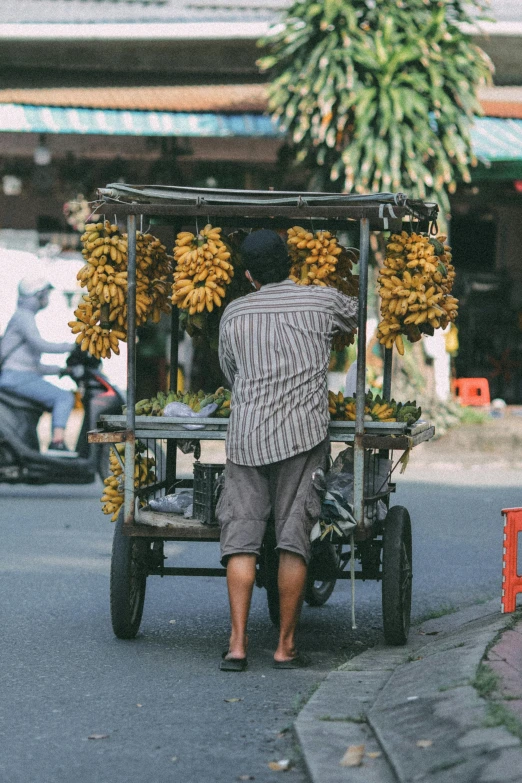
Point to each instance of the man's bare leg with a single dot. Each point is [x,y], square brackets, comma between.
[241,575]
[291,582]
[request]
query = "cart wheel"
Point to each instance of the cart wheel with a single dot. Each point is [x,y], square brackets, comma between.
[128,582]
[318,588]
[396,575]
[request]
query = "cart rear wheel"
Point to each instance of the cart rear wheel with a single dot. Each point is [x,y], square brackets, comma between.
[319,587]
[396,575]
[128,582]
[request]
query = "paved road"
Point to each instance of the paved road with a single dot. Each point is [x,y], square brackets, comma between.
[161,699]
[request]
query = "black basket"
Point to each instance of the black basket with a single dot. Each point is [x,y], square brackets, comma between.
[205,491]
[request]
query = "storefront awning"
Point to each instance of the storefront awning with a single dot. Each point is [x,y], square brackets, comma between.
[494,139]
[112,122]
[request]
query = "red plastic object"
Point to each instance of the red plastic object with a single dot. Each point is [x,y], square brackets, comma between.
[511,582]
[472,391]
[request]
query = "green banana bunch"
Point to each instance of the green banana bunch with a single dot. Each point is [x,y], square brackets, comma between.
[408,412]
[195,400]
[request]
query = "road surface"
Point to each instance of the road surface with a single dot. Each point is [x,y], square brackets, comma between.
[160,702]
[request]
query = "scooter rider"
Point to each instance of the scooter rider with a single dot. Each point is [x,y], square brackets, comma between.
[21,370]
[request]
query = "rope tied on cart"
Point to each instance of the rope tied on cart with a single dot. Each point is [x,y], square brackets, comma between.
[382,216]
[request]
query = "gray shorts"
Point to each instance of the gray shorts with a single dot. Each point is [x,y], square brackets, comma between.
[282,490]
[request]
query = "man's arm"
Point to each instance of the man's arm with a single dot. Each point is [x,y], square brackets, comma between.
[49,369]
[28,329]
[226,357]
[346,310]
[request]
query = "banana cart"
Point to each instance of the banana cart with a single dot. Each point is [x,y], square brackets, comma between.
[380,548]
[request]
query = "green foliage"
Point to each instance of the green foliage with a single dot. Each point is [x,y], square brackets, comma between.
[379,94]
[500,715]
[473,416]
[486,681]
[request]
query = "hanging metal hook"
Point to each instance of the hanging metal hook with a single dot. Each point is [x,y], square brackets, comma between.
[94,206]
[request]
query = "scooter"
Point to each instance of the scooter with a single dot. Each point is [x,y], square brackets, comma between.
[21,461]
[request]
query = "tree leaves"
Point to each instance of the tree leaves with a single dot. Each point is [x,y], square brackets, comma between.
[381,94]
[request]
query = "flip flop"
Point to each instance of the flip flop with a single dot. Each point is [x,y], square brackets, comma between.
[300,661]
[232,664]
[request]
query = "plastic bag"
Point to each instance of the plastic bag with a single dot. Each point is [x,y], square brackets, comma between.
[336,488]
[173,504]
[182,410]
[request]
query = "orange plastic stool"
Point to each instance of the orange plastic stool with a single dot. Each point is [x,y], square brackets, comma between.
[511,582]
[472,391]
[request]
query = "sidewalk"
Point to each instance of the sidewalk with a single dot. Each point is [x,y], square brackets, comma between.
[416,713]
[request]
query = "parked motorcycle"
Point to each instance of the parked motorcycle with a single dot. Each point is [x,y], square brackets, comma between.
[21,461]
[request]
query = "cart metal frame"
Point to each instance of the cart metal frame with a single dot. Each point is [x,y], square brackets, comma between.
[188,207]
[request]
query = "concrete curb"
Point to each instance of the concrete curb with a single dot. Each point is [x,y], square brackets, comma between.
[390,699]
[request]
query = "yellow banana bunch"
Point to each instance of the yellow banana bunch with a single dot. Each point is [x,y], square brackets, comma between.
[112,497]
[335,404]
[102,314]
[318,259]
[144,475]
[382,412]
[153,273]
[314,256]
[349,411]
[99,342]
[375,408]
[202,272]
[415,288]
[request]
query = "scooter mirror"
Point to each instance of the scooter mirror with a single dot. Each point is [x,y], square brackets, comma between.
[76,371]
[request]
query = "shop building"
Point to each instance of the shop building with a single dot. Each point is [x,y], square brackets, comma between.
[168,91]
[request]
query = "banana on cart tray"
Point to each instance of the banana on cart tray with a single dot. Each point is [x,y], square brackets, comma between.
[376,408]
[195,400]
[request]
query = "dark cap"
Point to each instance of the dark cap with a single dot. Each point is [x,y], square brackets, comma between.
[265,255]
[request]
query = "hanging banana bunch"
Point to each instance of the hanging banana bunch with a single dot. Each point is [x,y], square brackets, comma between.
[144,475]
[202,272]
[100,323]
[313,256]
[415,287]
[318,259]
[102,313]
[153,272]
[112,497]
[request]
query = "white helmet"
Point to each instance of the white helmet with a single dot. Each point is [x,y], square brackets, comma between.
[31,286]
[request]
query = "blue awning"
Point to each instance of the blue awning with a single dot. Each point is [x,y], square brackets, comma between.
[494,139]
[17,117]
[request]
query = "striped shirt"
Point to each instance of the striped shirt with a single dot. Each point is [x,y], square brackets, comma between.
[274,348]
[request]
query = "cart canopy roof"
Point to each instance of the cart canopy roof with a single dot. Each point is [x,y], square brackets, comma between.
[251,208]
[147,194]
